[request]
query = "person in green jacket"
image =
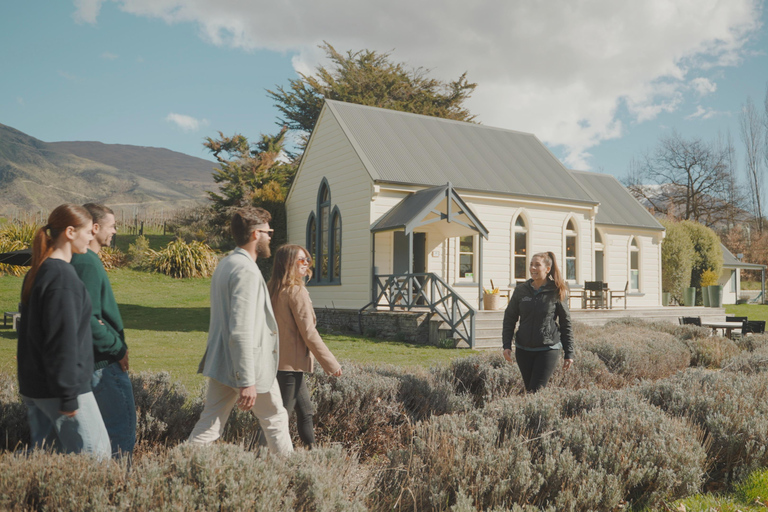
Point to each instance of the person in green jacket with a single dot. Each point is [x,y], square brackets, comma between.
[111,385]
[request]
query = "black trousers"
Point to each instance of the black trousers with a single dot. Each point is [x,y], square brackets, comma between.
[293,388]
[536,367]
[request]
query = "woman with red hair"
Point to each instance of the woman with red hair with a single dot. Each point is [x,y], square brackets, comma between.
[55,348]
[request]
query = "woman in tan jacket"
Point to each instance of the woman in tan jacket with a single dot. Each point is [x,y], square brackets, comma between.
[300,342]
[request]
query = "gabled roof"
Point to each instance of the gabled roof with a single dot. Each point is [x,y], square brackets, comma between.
[400,147]
[617,206]
[428,206]
[730,261]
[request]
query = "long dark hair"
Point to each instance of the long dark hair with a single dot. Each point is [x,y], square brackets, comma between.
[59,220]
[284,269]
[554,273]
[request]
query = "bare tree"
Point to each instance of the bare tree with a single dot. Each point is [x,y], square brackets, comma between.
[686,179]
[752,130]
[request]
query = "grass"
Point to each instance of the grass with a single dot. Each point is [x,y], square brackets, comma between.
[166,327]
[751,495]
[156,242]
[752,311]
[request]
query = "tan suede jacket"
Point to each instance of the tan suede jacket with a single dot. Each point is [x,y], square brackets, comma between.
[299,339]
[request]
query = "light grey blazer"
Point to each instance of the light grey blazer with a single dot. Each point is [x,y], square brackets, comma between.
[243,344]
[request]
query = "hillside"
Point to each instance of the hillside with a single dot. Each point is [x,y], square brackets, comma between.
[36,174]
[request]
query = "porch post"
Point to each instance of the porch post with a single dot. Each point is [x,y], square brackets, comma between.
[763,286]
[480,275]
[373,267]
[410,268]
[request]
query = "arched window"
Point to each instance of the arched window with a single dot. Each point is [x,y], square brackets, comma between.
[324,249]
[520,249]
[312,235]
[570,251]
[324,238]
[336,245]
[599,257]
[634,266]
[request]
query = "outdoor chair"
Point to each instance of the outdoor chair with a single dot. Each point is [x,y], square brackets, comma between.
[753,327]
[620,295]
[692,320]
[737,319]
[594,295]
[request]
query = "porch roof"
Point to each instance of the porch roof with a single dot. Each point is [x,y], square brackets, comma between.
[427,206]
[730,261]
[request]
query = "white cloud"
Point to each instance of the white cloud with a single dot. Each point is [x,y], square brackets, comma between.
[186,123]
[86,11]
[108,56]
[703,86]
[69,76]
[705,113]
[559,69]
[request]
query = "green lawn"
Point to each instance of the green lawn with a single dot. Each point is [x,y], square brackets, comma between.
[166,324]
[752,311]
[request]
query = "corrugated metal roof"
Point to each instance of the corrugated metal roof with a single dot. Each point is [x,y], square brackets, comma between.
[401,147]
[730,261]
[617,206]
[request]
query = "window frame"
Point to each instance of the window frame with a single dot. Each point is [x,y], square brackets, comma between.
[324,206]
[524,229]
[633,248]
[574,232]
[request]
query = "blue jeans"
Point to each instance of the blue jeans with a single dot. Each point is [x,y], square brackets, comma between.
[84,432]
[114,393]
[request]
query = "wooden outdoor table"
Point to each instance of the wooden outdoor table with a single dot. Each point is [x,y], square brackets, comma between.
[727,327]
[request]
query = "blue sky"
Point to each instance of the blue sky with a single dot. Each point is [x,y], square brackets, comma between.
[597,81]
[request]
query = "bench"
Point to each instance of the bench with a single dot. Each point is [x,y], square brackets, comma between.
[14,316]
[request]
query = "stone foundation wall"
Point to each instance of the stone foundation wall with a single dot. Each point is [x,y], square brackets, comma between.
[389,325]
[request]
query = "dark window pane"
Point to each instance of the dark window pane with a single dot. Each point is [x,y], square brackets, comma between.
[520,222]
[570,227]
[570,247]
[520,267]
[520,239]
[466,244]
[312,241]
[324,236]
[570,268]
[337,246]
[598,238]
[465,265]
[634,260]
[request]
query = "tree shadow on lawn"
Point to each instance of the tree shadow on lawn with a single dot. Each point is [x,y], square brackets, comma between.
[8,333]
[164,319]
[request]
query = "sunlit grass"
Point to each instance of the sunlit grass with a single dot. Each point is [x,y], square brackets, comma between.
[166,327]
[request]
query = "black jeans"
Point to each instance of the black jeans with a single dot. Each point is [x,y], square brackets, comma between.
[536,367]
[293,388]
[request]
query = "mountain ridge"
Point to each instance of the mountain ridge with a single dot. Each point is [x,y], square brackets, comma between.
[41,175]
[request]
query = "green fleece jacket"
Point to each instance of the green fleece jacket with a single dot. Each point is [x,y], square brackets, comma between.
[106,323]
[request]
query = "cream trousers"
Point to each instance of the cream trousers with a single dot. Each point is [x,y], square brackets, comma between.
[219,401]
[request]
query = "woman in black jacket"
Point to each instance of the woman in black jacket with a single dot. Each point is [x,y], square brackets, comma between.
[545,324]
[55,349]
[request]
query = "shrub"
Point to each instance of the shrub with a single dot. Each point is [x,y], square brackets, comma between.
[181,259]
[14,428]
[219,477]
[112,258]
[731,409]
[163,416]
[15,236]
[636,352]
[139,254]
[711,352]
[587,450]
[755,361]
[708,278]
[360,410]
[752,342]
[676,260]
[484,377]
[707,253]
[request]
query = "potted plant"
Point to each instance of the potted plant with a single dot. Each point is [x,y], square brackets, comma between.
[492,299]
[708,281]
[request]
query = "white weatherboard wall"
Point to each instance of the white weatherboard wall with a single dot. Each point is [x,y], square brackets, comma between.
[617,248]
[333,158]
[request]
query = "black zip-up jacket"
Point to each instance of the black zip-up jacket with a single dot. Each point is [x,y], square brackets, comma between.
[544,320]
[55,349]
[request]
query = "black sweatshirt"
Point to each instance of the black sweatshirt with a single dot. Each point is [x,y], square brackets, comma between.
[545,321]
[55,349]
